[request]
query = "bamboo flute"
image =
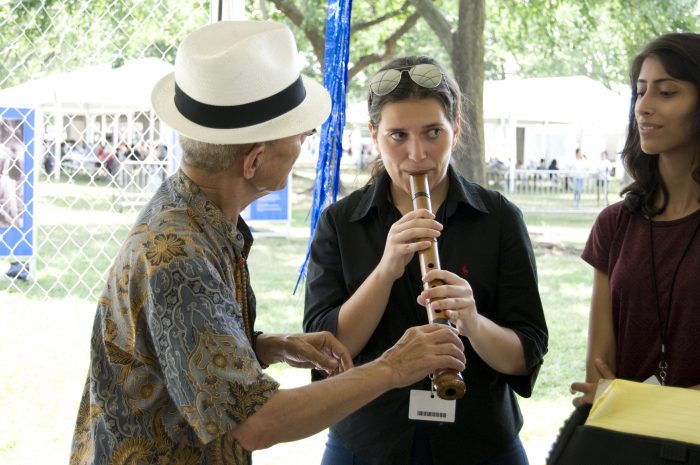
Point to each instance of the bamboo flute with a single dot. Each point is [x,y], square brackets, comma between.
[448,384]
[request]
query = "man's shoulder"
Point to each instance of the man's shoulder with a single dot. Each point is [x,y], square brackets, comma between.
[164,218]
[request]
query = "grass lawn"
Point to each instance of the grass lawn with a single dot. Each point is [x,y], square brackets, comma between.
[46,330]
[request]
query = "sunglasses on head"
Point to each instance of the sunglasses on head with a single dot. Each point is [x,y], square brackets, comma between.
[425,75]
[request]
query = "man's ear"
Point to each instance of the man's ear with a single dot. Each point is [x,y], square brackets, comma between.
[251,158]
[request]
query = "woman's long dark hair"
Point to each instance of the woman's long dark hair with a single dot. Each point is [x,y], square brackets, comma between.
[679,54]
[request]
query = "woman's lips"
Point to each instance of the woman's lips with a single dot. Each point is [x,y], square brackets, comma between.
[646,129]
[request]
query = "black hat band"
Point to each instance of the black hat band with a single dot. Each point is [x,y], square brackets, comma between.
[240,116]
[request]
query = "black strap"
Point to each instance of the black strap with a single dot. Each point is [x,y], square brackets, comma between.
[240,116]
[663,323]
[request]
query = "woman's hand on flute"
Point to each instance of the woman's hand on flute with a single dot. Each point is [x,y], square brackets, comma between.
[455,296]
[404,240]
[498,346]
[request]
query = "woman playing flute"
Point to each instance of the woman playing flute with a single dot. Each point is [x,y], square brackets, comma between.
[365,286]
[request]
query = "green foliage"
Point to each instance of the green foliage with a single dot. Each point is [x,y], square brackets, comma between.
[42,37]
[572,37]
[533,38]
[57,311]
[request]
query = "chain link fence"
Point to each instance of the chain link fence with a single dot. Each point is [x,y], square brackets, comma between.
[80,149]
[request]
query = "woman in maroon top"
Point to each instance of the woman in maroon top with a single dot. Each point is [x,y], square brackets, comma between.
[645,250]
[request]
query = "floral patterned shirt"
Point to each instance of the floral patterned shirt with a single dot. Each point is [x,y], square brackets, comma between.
[172,368]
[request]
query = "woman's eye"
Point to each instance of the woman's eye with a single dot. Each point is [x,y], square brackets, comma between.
[398,135]
[667,93]
[434,133]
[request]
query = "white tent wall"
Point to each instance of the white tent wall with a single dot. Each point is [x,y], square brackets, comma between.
[93,128]
[553,115]
[94,104]
[94,88]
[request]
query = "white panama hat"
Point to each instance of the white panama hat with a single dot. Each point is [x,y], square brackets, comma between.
[238,82]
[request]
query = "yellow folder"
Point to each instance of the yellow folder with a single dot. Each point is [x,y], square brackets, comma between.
[648,410]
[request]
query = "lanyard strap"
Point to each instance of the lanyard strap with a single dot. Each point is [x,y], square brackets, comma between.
[663,325]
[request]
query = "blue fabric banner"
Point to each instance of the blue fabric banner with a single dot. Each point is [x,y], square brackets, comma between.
[17,173]
[335,79]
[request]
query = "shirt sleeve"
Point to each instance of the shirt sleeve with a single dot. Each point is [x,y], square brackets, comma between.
[209,367]
[597,249]
[325,284]
[520,307]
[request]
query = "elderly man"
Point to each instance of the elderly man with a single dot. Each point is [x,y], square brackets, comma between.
[176,370]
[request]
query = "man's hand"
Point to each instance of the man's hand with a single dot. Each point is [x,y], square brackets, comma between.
[320,351]
[423,350]
[588,389]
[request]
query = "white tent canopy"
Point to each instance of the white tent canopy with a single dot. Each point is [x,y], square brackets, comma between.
[98,88]
[574,99]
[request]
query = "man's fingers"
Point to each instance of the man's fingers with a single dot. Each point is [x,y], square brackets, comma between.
[448,362]
[345,360]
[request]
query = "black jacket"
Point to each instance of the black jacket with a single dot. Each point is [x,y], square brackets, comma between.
[485,241]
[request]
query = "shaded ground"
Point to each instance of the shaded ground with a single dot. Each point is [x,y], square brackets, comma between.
[554,245]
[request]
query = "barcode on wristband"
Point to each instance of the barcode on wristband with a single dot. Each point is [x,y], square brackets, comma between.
[423,413]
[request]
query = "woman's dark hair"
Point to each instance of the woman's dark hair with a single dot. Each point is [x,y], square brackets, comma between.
[679,54]
[447,93]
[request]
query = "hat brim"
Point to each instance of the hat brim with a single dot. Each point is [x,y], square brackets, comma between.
[311,113]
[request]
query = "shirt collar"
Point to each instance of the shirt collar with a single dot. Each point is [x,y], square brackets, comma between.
[210,214]
[460,191]
[376,195]
[463,191]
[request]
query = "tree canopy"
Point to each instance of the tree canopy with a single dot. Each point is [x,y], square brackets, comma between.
[478,40]
[530,38]
[491,40]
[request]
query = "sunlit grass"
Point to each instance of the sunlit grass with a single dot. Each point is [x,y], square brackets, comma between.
[45,328]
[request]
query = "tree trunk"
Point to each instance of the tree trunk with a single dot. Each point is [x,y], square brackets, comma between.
[465,45]
[467,56]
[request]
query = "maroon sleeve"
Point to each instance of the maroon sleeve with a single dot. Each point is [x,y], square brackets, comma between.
[597,250]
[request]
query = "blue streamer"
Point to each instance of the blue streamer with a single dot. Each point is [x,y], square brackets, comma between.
[335,79]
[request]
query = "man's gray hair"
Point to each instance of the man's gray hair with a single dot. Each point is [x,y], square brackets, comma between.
[209,157]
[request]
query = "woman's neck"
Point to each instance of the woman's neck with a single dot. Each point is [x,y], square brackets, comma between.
[683,190]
